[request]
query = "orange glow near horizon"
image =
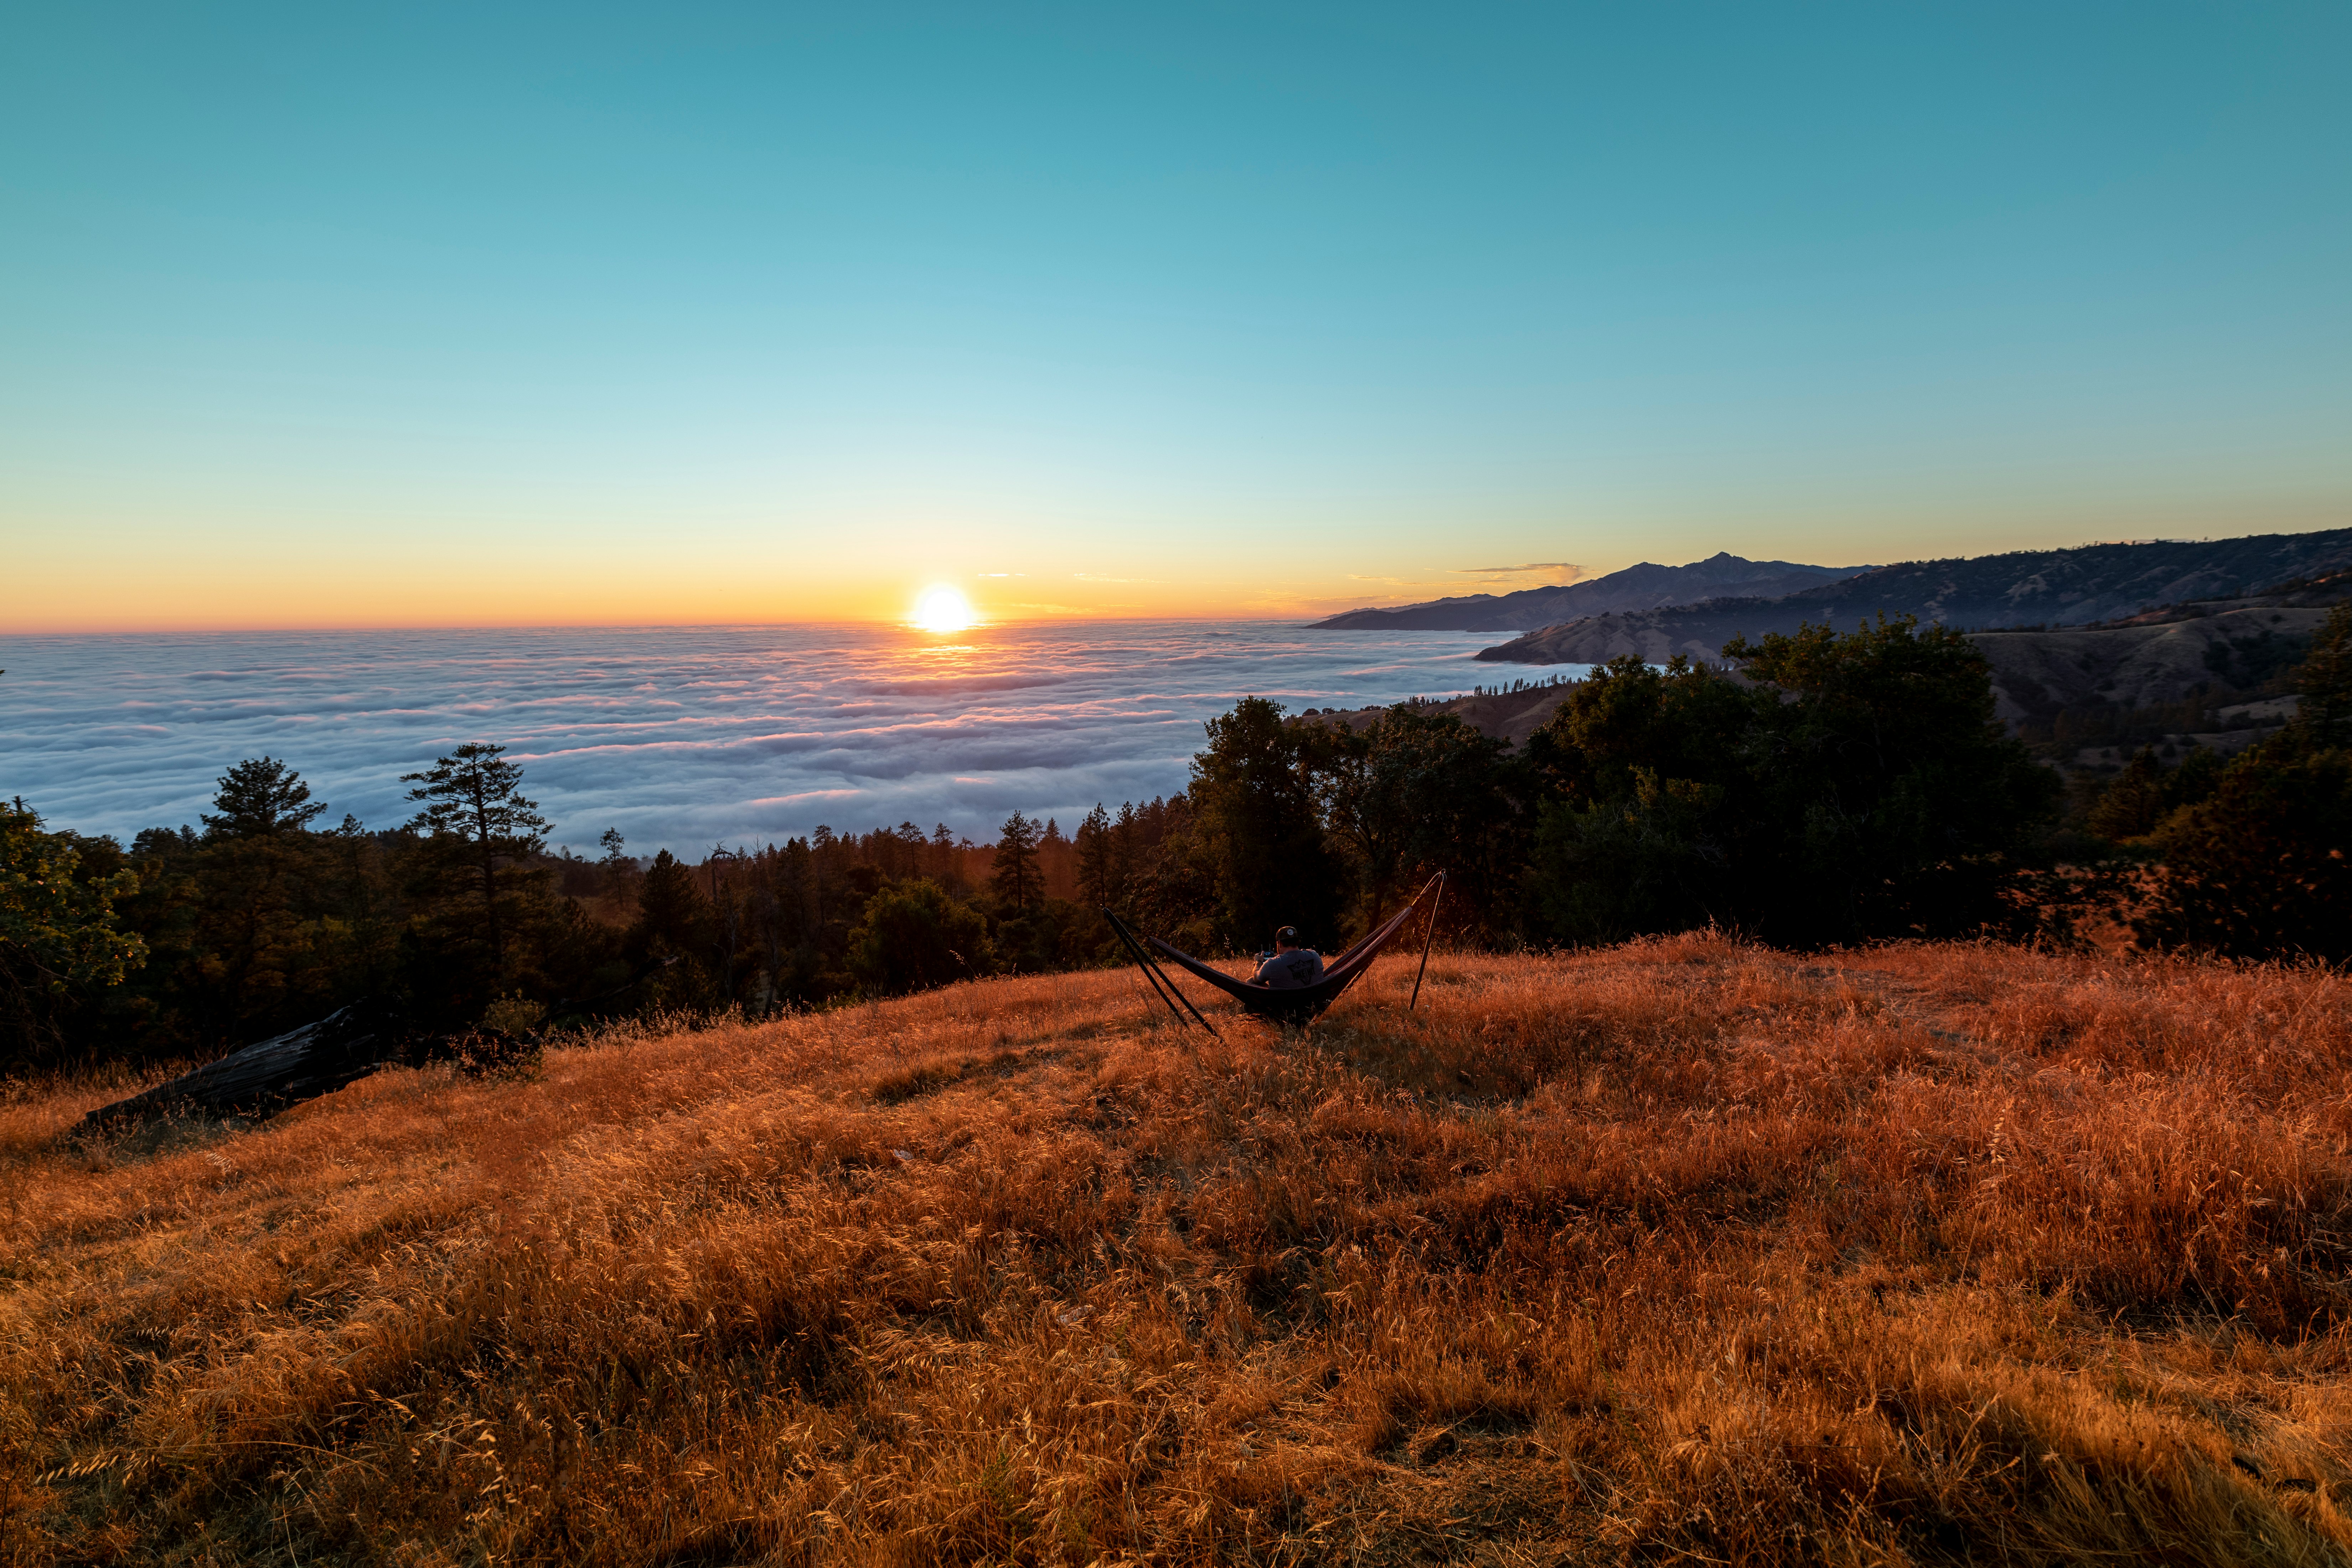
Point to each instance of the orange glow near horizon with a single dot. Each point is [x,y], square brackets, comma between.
[942,609]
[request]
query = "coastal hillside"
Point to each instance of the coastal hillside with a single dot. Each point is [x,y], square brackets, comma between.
[2156,658]
[1647,587]
[1679,1250]
[2028,588]
[2141,664]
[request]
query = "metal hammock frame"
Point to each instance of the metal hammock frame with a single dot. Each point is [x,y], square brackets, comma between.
[1298,1004]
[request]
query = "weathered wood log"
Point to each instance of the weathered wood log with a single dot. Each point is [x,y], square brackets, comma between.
[320,1058]
[269,1075]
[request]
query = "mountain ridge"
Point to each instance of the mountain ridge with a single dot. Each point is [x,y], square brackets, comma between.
[1643,587]
[2080,586]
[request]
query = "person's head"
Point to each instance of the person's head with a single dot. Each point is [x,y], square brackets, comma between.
[1285,939]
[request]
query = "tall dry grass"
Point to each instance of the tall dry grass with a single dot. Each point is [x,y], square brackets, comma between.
[1680,1251]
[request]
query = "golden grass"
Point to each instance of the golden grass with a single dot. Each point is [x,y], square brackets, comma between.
[1684,1250]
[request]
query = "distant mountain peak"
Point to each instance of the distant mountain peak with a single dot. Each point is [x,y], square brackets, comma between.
[1645,585]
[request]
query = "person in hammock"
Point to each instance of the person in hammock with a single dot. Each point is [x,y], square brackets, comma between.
[1290,965]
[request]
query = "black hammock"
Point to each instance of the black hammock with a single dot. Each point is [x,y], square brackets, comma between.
[1296,1004]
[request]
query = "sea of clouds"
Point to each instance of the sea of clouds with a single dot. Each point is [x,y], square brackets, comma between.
[680,737]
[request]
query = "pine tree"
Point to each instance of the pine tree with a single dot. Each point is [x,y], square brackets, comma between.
[1097,859]
[671,909]
[260,798]
[1127,846]
[473,797]
[1014,876]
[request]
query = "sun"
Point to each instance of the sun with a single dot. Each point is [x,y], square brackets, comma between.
[942,609]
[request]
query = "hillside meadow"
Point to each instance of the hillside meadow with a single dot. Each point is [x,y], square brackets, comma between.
[1684,1250]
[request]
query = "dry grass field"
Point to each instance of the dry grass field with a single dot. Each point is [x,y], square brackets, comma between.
[1681,1251]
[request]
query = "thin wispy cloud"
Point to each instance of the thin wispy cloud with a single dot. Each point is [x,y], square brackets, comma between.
[1553,571]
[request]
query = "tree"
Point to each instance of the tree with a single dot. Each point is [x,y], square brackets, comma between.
[2325,680]
[1097,859]
[2258,862]
[261,797]
[2260,869]
[1013,875]
[913,936]
[2132,804]
[1644,832]
[2136,801]
[1416,792]
[1254,802]
[57,932]
[1894,802]
[1859,786]
[475,798]
[672,913]
[1127,845]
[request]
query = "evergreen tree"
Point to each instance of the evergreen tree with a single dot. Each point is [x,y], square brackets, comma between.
[474,796]
[1253,794]
[260,797]
[1127,847]
[1860,787]
[2325,680]
[2136,803]
[1417,792]
[1097,859]
[1894,800]
[1644,831]
[1013,875]
[672,913]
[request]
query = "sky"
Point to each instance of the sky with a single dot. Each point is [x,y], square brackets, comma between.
[428,315]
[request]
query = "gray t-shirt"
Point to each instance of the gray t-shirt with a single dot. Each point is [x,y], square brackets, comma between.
[1289,970]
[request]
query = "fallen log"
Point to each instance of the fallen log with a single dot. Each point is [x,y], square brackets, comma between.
[268,1075]
[318,1059]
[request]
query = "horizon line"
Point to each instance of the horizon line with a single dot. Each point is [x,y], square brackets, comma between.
[1003,623]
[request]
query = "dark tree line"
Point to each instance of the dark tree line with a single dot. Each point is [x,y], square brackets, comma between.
[1817,788]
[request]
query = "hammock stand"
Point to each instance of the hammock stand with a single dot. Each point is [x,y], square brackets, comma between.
[1298,1005]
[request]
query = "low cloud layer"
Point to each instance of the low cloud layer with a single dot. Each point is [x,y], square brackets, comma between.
[681,738]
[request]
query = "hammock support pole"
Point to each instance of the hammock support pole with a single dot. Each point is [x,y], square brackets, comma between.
[1145,964]
[1153,972]
[1426,937]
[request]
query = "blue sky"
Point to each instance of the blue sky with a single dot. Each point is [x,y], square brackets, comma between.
[440,315]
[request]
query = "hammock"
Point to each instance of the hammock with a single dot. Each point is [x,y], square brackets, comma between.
[1298,1004]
